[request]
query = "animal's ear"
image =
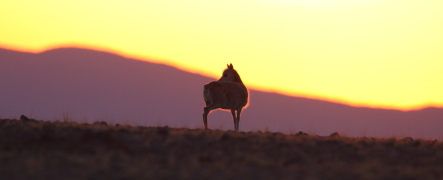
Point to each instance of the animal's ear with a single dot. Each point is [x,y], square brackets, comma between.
[230,66]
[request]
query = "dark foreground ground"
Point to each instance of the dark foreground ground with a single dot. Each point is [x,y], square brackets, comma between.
[32,149]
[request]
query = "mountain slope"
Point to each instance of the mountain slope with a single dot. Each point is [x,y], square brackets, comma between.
[88,85]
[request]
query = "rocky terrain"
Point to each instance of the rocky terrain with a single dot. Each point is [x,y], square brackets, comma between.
[34,149]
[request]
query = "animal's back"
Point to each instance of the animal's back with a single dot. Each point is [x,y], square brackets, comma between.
[225,95]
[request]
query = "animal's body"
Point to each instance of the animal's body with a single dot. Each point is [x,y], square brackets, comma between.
[228,92]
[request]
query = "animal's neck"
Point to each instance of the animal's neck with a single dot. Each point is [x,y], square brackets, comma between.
[237,78]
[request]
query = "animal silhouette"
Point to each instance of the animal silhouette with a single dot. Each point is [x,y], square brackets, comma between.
[228,93]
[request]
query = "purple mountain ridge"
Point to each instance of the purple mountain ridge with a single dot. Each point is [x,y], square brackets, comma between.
[87,85]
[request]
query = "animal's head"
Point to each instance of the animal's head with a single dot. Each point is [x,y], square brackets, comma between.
[230,75]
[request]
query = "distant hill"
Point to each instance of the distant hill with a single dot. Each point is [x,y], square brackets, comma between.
[88,85]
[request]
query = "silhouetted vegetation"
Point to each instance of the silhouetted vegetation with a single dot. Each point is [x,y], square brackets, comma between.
[31,149]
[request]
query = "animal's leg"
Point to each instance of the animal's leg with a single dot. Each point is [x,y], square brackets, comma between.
[235,120]
[238,118]
[205,116]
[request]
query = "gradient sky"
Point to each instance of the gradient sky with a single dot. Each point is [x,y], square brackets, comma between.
[375,53]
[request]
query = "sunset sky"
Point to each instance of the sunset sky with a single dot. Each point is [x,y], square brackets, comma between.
[372,53]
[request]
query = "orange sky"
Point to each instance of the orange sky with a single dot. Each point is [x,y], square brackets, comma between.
[376,53]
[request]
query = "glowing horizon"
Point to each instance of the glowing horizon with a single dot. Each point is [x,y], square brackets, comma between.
[380,54]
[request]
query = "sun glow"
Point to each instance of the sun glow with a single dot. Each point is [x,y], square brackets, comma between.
[366,53]
[316,3]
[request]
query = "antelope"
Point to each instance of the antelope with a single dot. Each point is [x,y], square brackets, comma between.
[228,93]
